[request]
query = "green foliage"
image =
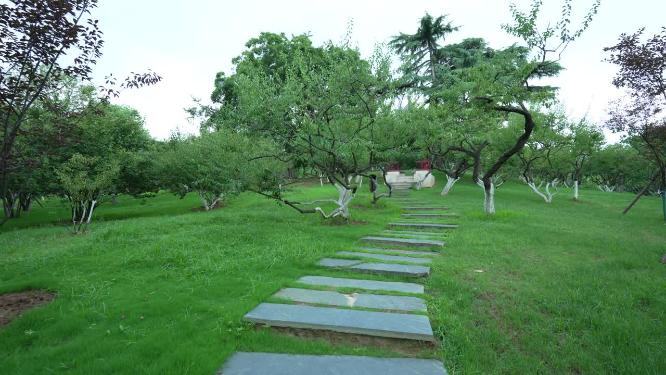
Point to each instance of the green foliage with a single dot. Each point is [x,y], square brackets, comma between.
[619,167]
[214,165]
[84,180]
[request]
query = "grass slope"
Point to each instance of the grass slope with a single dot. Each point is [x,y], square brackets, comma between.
[566,288]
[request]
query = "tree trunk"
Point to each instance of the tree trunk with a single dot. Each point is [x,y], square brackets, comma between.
[489,199]
[663,203]
[640,193]
[488,195]
[26,202]
[576,196]
[450,181]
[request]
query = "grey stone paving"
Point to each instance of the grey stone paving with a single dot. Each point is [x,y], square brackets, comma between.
[408,233]
[372,301]
[382,268]
[391,286]
[425,208]
[404,241]
[331,262]
[372,323]
[387,258]
[393,269]
[428,215]
[424,225]
[299,364]
[398,251]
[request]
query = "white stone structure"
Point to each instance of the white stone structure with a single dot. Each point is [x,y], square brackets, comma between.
[420,179]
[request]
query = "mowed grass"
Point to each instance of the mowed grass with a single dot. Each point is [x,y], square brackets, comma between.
[158,288]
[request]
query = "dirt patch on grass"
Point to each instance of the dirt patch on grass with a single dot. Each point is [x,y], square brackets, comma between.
[14,304]
[404,347]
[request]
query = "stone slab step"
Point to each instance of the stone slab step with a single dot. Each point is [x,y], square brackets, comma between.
[412,216]
[409,233]
[381,268]
[424,225]
[390,286]
[398,251]
[425,208]
[243,363]
[371,323]
[404,241]
[386,258]
[371,301]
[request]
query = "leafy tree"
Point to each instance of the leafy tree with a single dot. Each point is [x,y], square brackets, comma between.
[642,73]
[215,166]
[584,140]
[84,180]
[36,38]
[420,51]
[507,83]
[319,107]
[541,157]
[618,167]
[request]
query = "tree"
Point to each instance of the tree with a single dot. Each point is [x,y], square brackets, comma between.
[642,73]
[214,165]
[318,105]
[541,156]
[584,140]
[84,180]
[36,37]
[619,167]
[506,84]
[420,50]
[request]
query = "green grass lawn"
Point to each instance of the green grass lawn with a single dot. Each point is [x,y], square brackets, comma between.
[156,287]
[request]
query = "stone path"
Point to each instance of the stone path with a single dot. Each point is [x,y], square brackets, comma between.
[424,225]
[358,306]
[404,241]
[298,364]
[428,215]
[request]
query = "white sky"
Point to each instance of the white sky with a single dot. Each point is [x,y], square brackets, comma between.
[188,42]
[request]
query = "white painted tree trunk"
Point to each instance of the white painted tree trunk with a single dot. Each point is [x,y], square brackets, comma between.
[359,181]
[489,200]
[607,188]
[345,197]
[450,181]
[576,196]
[547,195]
[209,201]
[488,197]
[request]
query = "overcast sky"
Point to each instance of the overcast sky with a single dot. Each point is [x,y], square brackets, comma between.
[188,42]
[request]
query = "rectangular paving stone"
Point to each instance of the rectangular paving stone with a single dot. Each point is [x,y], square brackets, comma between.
[372,301]
[425,208]
[393,269]
[331,262]
[404,241]
[409,233]
[398,251]
[390,286]
[381,268]
[386,258]
[414,216]
[424,225]
[371,323]
[244,363]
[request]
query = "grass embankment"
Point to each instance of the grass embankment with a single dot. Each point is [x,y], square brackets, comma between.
[158,288]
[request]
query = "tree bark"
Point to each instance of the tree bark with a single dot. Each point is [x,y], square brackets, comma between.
[450,181]
[641,193]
